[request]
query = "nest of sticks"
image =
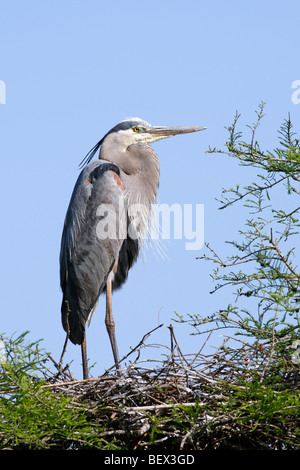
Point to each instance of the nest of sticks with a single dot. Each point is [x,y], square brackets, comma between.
[180,403]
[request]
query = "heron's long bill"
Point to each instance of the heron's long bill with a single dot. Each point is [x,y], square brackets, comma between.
[161,132]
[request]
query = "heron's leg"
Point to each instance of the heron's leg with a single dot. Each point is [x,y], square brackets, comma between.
[110,324]
[84,359]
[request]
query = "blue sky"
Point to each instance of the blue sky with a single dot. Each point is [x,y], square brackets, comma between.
[72,70]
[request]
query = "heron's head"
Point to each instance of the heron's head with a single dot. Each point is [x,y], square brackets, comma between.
[133,131]
[136,131]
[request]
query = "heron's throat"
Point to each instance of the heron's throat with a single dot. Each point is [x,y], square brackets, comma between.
[142,187]
[141,191]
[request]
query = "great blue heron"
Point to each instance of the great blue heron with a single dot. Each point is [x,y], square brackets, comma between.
[126,174]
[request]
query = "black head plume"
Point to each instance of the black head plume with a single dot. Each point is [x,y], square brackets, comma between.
[90,154]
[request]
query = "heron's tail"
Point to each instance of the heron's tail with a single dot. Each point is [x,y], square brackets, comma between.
[73,322]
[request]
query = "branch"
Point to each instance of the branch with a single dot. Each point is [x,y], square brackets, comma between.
[282,257]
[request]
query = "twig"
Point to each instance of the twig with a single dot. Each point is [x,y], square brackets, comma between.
[285,261]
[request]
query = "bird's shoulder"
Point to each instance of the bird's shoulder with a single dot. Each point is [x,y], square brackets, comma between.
[97,183]
[95,172]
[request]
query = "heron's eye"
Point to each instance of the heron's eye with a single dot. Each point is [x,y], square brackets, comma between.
[136,129]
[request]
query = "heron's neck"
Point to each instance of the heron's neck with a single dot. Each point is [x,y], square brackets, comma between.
[142,186]
[141,191]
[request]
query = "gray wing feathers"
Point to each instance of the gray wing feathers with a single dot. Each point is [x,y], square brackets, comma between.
[85,259]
